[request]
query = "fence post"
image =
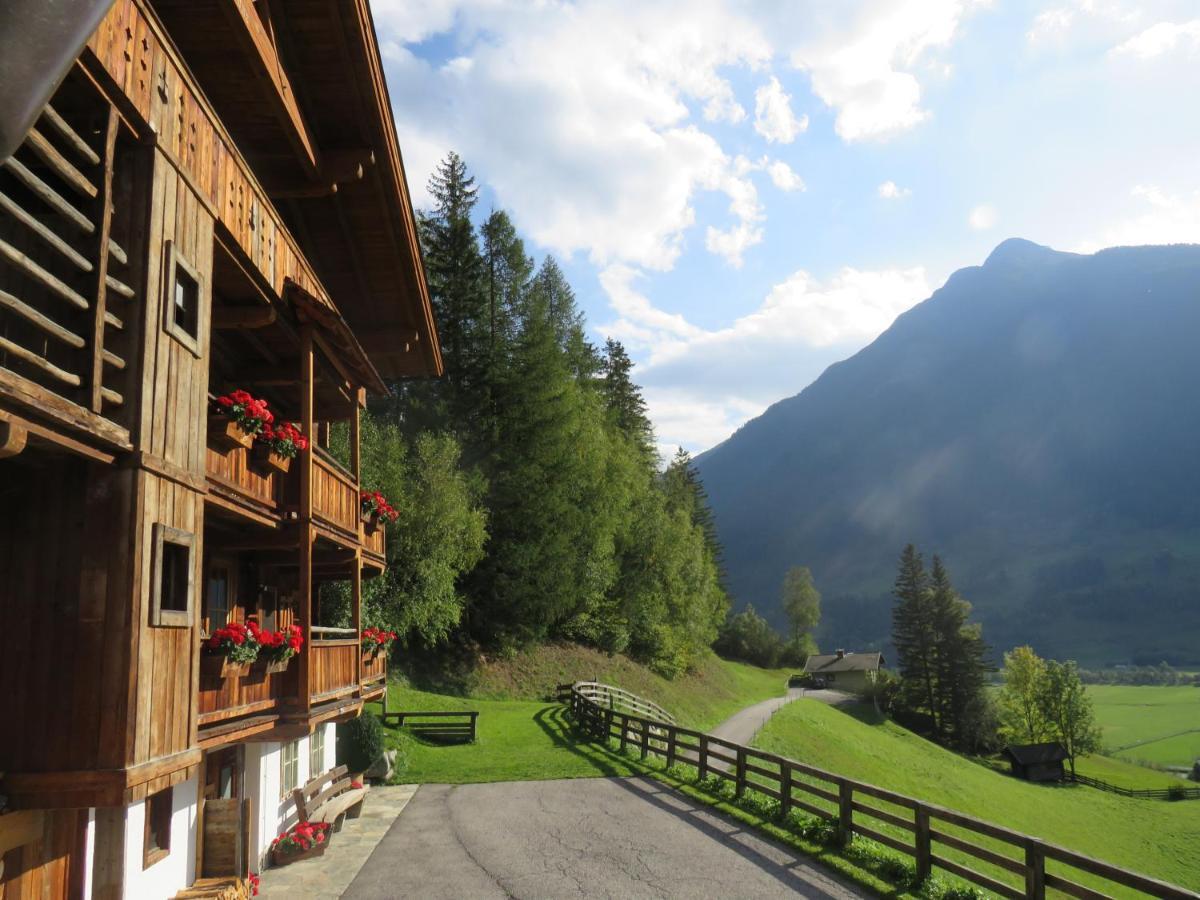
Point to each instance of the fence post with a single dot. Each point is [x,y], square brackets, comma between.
[624,731]
[785,790]
[924,845]
[670,746]
[702,758]
[645,738]
[845,813]
[740,784]
[1035,871]
[608,720]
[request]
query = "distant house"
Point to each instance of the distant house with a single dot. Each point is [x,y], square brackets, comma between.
[854,672]
[1037,762]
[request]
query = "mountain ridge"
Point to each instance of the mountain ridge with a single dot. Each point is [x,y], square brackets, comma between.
[996,423]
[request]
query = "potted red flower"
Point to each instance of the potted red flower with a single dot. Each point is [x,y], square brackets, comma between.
[277,447]
[377,640]
[230,650]
[278,647]
[375,508]
[253,882]
[238,420]
[302,841]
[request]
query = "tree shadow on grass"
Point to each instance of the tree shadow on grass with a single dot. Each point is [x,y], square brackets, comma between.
[557,726]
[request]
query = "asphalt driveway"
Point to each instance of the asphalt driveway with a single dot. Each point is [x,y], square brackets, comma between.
[587,837]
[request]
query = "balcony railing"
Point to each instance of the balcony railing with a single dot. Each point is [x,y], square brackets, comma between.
[333,668]
[374,672]
[231,470]
[241,695]
[335,498]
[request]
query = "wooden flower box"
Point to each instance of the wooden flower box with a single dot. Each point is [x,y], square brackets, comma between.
[272,666]
[263,457]
[218,665]
[286,859]
[226,434]
[370,522]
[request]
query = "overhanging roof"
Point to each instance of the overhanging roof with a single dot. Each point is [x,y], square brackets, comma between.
[849,662]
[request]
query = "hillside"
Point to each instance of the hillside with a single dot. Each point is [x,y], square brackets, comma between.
[1034,422]
[1151,836]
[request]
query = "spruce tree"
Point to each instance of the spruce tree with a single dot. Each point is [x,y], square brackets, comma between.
[913,636]
[960,659]
[623,398]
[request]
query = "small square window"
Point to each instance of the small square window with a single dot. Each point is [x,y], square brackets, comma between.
[156,844]
[172,584]
[184,296]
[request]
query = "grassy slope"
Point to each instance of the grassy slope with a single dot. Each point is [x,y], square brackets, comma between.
[522,735]
[1154,837]
[1153,718]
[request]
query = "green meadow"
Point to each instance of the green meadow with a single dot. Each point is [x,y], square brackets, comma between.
[1158,725]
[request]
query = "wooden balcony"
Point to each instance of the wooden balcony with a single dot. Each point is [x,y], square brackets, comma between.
[374,675]
[245,701]
[234,480]
[335,496]
[333,668]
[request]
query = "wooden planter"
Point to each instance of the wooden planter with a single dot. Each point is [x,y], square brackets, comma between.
[226,434]
[263,457]
[217,665]
[285,859]
[370,522]
[273,666]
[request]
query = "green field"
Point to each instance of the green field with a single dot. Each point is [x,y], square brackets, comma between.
[1150,836]
[1159,725]
[522,735]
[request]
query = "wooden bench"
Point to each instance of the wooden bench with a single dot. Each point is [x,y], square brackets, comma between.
[445,727]
[330,798]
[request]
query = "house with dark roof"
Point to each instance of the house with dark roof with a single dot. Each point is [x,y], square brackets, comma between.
[1037,762]
[854,672]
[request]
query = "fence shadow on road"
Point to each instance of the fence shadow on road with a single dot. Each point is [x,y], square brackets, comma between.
[792,869]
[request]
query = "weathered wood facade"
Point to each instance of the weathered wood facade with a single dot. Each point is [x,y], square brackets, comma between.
[212,200]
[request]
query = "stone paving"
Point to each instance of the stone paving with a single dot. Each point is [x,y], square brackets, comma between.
[327,877]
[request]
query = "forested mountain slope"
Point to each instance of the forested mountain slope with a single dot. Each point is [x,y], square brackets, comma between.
[1035,422]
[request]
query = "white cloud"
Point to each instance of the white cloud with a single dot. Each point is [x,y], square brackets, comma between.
[784,178]
[1157,217]
[1160,39]
[773,116]
[982,217]
[863,70]
[702,384]
[1051,24]
[890,191]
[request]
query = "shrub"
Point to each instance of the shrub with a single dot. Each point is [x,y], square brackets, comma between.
[360,742]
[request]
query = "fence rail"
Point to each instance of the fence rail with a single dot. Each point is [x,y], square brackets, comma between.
[1171,793]
[1012,865]
[615,698]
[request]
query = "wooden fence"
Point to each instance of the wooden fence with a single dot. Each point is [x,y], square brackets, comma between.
[1003,861]
[1172,793]
[615,698]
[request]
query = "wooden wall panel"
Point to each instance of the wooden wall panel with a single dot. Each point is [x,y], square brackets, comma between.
[52,866]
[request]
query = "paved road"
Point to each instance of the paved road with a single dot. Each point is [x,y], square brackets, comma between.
[587,837]
[743,725]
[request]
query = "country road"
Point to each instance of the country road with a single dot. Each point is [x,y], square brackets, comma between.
[585,837]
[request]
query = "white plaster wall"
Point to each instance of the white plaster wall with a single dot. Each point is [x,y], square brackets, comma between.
[330,746]
[172,874]
[272,813]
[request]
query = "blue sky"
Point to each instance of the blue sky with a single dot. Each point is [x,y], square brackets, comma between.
[744,192]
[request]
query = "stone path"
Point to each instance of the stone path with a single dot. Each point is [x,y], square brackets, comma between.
[579,838]
[327,877]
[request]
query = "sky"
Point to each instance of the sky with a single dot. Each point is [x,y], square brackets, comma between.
[745,192]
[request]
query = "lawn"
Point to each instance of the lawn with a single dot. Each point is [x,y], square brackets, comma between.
[522,734]
[1159,725]
[1150,836]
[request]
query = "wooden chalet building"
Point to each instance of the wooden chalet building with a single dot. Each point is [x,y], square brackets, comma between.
[212,200]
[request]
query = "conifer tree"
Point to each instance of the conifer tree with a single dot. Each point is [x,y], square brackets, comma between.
[623,398]
[913,637]
[960,658]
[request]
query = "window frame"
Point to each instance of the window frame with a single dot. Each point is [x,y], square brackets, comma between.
[171,618]
[159,809]
[285,791]
[174,263]
[313,743]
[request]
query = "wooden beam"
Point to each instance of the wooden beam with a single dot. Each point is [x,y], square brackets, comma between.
[12,442]
[305,460]
[239,317]
[304,192]
[260,50]
[104,213]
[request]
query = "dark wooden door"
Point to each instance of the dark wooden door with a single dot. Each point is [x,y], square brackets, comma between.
[225,817]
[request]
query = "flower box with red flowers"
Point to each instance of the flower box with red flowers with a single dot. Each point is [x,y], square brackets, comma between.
[276,648]
[302,841]
[238,420]
[277,447]
[229,651]
[376,641]
[375,509]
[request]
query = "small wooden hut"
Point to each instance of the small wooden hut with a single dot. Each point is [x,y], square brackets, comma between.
[1037,762]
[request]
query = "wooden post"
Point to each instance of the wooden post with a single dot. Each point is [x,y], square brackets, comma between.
[645,738]
[356,602]
[1035,871]
[608,720]
[924,850]
[702,761]
[306,506]
[100,289]
[670,747]
[739,786]
[845,813]
[624,732]
[785,790]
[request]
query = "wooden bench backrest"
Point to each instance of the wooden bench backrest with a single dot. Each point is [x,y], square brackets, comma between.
[310,797]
